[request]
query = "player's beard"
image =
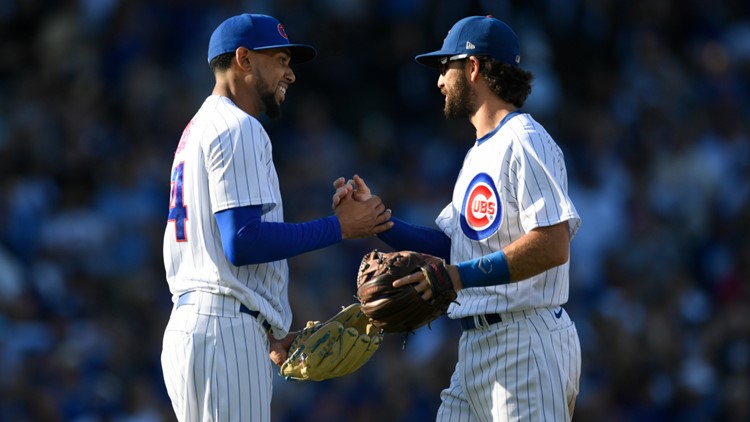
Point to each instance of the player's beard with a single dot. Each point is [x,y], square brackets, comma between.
[460,102]
[273,108]
[268,98]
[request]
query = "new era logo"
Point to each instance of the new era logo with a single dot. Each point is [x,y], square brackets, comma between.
[469,45]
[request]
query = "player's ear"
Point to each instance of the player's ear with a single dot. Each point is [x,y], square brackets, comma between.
[473,64]
[242,57]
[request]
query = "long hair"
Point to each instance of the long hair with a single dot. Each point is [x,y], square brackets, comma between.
[512,84]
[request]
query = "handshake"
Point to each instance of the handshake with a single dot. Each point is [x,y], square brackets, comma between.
[360,213]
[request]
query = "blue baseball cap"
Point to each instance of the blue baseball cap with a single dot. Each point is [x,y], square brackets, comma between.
[255,32]
[477,36]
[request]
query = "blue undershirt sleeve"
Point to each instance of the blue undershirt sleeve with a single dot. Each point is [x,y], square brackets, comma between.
[248,240]
[405,236]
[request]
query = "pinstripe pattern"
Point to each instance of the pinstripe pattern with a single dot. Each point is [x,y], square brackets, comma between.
[215,360]
[527,367]
[215,363]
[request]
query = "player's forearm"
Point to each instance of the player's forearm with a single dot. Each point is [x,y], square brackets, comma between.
[538,251]
[248,240]
[532,254]
[276,241]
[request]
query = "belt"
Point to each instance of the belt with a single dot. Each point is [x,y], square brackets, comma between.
[255,314]
[477,321]
[484,321]
[185,299]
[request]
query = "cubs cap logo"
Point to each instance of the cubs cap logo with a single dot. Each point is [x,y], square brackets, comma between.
[481,211]
[282,31]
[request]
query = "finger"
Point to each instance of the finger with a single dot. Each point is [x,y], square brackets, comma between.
[380,209]
[361,185]
[409,279]
[385,215]
[279,349]
[375,200]
[345,190]
[339,182]
[382,218]
[423,288]
[380,228]
[278,356]
[427,294]
[341,193]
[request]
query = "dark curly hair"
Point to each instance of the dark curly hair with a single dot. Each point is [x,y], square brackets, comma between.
[221,62]
[509,82]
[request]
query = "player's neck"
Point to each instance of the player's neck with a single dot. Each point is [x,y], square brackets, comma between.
[489,115]
[236,91]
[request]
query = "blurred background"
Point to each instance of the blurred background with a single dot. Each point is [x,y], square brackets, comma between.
[648,100]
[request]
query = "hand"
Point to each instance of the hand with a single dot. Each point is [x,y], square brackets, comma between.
[419,283]
[343,188]
[279,349]
[422,286]
[356,186]
[362,218]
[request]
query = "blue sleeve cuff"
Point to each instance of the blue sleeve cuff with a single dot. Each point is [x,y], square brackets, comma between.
[488,270]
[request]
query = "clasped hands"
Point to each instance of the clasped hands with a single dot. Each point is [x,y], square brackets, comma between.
[360,213]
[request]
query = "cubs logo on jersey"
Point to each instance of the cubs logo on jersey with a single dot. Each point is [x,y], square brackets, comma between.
[481,212]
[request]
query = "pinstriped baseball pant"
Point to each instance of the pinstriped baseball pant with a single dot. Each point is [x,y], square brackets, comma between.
[525,368]
[215,363]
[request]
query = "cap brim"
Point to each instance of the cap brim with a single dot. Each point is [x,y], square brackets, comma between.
[300,52]
[432,59]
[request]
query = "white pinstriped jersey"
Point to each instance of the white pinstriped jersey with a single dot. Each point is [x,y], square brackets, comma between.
[223,161]
[512,181]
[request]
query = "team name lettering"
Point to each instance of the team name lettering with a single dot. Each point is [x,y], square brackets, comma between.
[483,207]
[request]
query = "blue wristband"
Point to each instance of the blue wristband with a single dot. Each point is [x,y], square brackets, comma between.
[488,270]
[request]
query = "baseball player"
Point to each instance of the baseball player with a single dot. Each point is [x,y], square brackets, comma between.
[506,233]
[226,243]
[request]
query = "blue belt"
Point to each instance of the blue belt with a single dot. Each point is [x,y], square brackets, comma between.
[184,299]
[470,322]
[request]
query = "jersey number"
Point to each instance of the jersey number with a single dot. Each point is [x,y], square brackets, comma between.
[177,208]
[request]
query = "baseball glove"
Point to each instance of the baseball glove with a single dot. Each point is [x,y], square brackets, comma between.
[402,310]
[333,348]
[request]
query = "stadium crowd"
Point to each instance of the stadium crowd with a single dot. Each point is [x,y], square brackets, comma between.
[648,100]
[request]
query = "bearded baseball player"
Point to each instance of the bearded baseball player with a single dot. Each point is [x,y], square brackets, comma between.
[226,242]
[506,234]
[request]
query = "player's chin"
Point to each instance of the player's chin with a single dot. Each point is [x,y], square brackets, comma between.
[273,107]
[447,112]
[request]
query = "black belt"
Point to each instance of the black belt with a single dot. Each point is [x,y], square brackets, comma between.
[183,300]
[470,322]
[244,309]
